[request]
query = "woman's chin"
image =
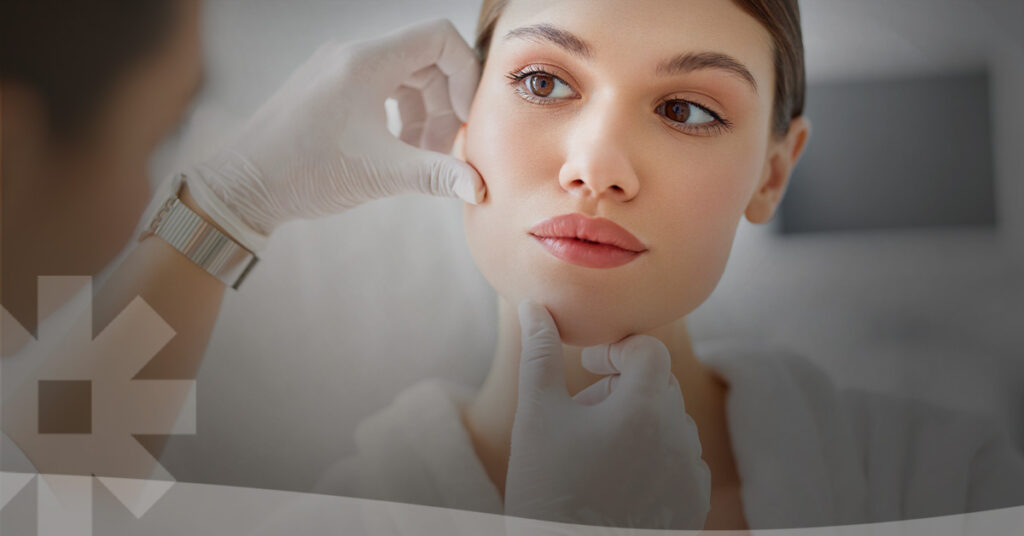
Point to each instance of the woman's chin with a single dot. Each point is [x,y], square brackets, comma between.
[582,325]
[585,337]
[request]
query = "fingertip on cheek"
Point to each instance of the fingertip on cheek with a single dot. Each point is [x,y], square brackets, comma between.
[481,193]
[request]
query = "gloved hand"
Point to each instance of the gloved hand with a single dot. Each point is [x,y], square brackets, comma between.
[622,452]
[321,144]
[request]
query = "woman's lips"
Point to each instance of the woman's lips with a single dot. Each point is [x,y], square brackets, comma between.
[589,242]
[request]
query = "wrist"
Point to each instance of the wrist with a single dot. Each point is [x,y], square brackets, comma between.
[186,199]
[219,186]
[181,221]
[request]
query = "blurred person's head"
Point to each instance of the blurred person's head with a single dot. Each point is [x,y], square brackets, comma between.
[88,90]
[672,118]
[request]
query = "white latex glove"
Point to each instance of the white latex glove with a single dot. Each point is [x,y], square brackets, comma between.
[622,452]
[321,144]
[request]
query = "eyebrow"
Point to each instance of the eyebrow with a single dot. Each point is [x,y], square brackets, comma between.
[678,64]
[563,38]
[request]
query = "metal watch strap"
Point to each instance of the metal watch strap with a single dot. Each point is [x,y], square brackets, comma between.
[202,243]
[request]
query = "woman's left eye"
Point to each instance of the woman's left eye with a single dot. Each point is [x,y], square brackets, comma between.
[685,112]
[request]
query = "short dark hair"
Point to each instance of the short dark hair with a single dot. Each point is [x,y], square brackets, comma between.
[72,51]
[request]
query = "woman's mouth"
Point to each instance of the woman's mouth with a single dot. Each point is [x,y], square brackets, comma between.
[588,242]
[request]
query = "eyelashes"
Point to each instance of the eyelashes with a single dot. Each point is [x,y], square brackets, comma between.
[528,76]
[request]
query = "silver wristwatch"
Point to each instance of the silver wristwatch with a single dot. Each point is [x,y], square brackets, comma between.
[202,243]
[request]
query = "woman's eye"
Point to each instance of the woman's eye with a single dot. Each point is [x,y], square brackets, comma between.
[687,112]
[540,87]
[693,118]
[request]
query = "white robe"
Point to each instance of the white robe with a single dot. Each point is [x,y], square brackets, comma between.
[808,454]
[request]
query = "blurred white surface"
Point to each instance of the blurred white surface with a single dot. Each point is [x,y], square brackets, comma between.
[301,354]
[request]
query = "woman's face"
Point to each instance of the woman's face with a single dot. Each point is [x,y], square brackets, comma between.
[579,110]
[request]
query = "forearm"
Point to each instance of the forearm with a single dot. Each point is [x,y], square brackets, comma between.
[187,298]
[184,294]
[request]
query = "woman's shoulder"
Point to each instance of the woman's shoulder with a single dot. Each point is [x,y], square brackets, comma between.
[763,367]
[758,372]
[944,459]
[912,457]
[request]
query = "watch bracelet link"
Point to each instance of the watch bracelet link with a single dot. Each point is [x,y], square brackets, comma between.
[202,243]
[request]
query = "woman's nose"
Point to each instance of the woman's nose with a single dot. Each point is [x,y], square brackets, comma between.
[598,162]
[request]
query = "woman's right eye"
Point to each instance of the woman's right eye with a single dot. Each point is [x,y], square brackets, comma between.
[539,86]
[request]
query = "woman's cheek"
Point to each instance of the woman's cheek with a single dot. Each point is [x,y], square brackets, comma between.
[701,208]
[489,225]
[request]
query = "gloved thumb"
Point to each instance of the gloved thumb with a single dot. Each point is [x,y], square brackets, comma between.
[644,364]
[541,366]
[442,175]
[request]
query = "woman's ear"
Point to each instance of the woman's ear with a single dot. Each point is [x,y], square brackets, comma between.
[459,145]
[782,158]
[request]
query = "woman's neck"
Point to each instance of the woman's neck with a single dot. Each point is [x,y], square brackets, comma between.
[489,416]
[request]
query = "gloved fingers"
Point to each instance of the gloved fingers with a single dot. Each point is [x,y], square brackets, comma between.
[441,124]
[694,456]
[433,86]
[397,55]
[673,408]
[439,132]
[462,69]
[462,85]
[675,417]
[597,392]
[597,359]
[675,391]
[428,120]
[644,364]
[541,365]
[424,77]
[413,113]
[434,173]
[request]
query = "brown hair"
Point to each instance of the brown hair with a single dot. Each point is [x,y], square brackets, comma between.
[71,51]
[780,17]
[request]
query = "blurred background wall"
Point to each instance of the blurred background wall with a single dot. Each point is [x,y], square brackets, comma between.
[331,325]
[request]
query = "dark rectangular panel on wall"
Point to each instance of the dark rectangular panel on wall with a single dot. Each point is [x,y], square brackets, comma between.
[889,154]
